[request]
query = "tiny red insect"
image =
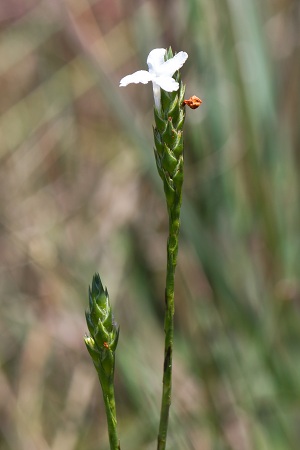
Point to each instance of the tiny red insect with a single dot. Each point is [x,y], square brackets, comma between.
[193,102]
[105,344]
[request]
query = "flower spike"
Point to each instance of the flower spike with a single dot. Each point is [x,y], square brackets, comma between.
[101,345]
[169,116]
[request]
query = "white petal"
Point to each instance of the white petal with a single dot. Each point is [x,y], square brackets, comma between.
[167,83]
[156,94]
[169,67]
[141,76]
[155,59]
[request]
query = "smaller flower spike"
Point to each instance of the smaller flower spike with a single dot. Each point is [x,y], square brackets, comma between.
[101,345]
[103,330]
[160,73]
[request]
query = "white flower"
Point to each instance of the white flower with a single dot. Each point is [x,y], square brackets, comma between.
[160,73]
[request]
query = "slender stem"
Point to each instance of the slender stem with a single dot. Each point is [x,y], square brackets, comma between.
[110,408]
[172,250]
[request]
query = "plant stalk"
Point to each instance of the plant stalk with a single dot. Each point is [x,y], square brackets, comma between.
[168,139]
[172,251]
[110,408]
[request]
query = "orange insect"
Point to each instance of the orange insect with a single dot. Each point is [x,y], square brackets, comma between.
[193,102]
[105,344]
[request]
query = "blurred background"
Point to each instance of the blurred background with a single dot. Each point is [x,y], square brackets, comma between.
[79,193]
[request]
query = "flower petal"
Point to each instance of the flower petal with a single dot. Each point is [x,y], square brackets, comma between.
[169,67]
[141,76]
[156,95]
[167,83]
[155,59]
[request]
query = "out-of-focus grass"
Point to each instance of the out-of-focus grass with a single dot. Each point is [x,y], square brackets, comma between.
[79,193]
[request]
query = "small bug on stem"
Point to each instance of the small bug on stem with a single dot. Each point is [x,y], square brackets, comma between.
[193,102]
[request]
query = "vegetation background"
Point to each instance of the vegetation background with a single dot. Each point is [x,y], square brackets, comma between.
[79,193]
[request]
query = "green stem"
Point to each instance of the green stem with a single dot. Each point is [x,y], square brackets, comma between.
[172,250]
[110,408]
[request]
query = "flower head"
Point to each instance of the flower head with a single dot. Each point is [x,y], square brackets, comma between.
[160,73]
[104,332]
